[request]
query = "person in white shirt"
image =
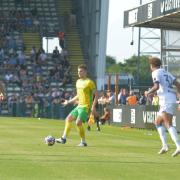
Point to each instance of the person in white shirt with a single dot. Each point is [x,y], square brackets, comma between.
[163,85]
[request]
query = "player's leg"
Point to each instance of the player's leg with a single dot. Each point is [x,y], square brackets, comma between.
[88,127]
[162,134]
[97,123]
[82,118]
[167,118]
[81,132]
[96,116]
[68,124]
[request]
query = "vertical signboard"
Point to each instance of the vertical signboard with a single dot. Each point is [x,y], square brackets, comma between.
[133,16]
[117,115]
[133,116]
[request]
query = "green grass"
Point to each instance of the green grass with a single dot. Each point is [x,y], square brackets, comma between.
[114,153]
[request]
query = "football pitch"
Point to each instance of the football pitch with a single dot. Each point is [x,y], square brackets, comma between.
[114,153]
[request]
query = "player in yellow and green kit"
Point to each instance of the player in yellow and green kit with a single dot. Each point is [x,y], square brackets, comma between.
[86,89]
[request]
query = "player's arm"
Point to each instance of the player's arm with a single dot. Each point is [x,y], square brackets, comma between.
[152,90]
[73,100]
[93,108]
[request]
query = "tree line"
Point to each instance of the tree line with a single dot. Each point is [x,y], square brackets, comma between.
[138,67]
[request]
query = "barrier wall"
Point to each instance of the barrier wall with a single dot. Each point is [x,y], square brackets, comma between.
[139,116]
[54,111]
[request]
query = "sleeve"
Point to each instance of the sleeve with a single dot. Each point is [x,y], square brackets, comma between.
[156,77]
[92,85]
[173,78]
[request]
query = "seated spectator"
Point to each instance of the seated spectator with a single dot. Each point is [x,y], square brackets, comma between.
[64,54]
[56,100]
[15,79]
[29,99]
[66,63]
[34,12]
[37,87]
[36,24]
[11,51]
[8,77]
[14,101]
[105,117]
[104,99]
[28,22]
[67,78]
[23,72]
[38,77]
[12,43]
[5,63]
[42,57]
[12,63]
[55,93]
[66,95]
[23,76]
[21,58]
[60,71]
[131,99]
[1,53]
[38,69]
[52,72]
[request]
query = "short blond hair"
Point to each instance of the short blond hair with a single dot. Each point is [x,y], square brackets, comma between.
[82,66]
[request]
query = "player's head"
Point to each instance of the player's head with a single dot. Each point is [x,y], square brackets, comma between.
[82,71]
[106,109]
[154,62]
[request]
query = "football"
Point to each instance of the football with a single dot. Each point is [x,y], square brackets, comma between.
[49,140]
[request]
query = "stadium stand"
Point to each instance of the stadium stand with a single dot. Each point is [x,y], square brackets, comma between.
[35,80]
[65,10]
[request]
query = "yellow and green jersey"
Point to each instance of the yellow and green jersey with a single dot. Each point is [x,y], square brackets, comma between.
[85,89]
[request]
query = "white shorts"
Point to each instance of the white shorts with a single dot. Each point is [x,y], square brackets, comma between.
[168,108]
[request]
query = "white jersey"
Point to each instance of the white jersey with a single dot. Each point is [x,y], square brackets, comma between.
[165,92]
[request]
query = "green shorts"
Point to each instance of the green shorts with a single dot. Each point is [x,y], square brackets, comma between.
[80,113]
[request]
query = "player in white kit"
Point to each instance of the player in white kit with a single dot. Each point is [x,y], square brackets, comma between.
[163,84]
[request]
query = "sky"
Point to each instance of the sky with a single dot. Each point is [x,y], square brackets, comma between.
[119,38]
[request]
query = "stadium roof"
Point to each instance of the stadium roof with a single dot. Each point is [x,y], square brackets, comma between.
[163,14]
